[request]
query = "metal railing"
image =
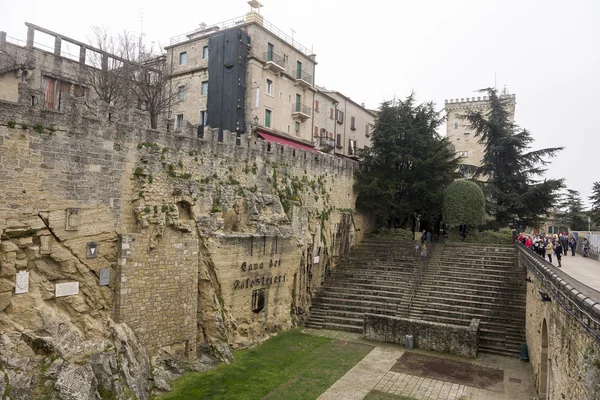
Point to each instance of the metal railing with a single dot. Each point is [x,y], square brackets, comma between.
[230,23]
[15,41]
[270,56]
[301,108]
[564,289]
[303,75]
[326,141]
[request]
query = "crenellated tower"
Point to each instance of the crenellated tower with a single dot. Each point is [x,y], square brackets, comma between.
[457,129]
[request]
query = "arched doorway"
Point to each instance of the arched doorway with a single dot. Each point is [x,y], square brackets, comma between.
[544,375]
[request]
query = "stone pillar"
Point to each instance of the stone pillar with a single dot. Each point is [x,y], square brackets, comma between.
[82,55]
[57,44]
[2,41]
[124,252]
[30,36]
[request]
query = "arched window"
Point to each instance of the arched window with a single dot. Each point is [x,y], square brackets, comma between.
[456,125]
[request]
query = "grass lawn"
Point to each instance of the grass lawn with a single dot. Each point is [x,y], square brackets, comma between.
[290,366]
[377,395]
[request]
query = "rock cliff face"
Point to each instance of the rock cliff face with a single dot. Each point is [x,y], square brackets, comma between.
[128,256]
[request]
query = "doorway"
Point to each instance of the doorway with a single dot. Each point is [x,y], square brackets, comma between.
[544,375]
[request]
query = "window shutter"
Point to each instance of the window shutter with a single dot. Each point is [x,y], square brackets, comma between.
[316,131]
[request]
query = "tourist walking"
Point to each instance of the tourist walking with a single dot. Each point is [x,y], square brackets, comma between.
[564,242]
[572,245]
[423,236]
[558,250]
[549,251]
[423,252]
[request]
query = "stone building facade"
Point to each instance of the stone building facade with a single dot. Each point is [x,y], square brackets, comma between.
[457,129]
[354,124]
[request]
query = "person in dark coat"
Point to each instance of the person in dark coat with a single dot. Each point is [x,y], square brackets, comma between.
[572,245]
[558,250]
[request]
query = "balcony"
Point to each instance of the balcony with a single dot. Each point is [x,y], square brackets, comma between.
[301,112]
[326,143]
[303,79]
[274,62]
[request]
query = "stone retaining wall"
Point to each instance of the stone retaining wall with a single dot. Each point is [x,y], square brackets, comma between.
[445,338]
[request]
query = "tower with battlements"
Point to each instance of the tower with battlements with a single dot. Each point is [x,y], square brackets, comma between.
[457,129]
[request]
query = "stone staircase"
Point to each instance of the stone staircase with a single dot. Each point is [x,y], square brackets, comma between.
[476,281]
[375,277]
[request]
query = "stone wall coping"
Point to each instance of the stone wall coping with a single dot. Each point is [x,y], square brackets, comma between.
[420,321]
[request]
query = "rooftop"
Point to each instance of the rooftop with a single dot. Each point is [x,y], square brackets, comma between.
[249,18]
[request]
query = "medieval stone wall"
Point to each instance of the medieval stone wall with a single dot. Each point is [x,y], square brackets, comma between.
[564,356]
[190,241]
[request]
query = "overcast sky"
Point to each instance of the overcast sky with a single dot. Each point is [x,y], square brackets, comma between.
[545,51]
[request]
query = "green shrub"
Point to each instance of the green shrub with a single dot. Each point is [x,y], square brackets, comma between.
[39,128]
[24,127]
[11,124]
[391,233]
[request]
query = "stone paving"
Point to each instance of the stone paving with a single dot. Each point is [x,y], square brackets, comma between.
[584,269]
[373,373]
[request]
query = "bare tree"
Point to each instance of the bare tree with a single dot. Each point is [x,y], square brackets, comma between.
[108,63]
[123,72]
[152,86]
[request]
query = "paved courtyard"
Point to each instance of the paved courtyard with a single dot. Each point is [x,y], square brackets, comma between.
[584,269]
[385,370]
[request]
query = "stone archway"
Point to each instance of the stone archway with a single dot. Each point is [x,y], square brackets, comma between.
[544,373]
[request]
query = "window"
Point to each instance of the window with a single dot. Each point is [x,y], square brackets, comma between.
[268,118]
[182,58]
[316,131]
[339,117]
[338,142]
[298,70]
[550,229]
[316,105]
[351,147]
[270,48]
[455,125]
[352,123]
[297,127]
[331,113]
[367,133]
[205,52]
[269,87]
[181,92]
[204,88]
[179,121]
[203,117]
[463,154]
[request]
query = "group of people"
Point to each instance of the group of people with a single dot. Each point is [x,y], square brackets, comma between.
[548,245]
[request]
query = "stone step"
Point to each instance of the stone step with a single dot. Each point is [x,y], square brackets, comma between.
[470,308]
[377,281]
[375,271]
[514,299]
[466,317]
[477,285]
[483,266]
[472,278]
[499,350]
[374,290]
[473,290]
[342,297]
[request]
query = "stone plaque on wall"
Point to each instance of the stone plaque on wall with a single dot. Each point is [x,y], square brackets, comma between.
[104,276]
[22,282]
[92,250]
[316,259]
[73,219]
[66,289]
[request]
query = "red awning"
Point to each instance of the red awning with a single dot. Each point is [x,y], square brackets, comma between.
[276,139]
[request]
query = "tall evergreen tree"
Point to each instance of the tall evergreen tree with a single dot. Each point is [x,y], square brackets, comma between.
[572,213]
[511,174]
[408,165]
[595,208]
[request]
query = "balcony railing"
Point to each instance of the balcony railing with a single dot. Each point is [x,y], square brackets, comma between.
[325,141]
[303,76]
[301,112]
[271,58]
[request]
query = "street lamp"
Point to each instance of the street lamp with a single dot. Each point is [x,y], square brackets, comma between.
[256,120]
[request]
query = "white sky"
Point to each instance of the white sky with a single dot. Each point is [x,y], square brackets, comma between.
[545,51]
